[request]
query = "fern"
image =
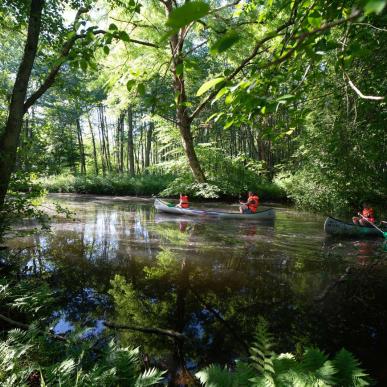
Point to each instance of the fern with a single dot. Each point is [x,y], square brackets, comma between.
[149,377]
[349,372]
[261,354]
[267,369]
[23,356]
[313,359]
[216,376]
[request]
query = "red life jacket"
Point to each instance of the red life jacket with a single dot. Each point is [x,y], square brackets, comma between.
[253,203]
[184,202]
[369,214]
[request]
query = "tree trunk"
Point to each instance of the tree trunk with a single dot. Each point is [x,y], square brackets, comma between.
[149,135]
[107,144]
[9,139]
[182,115]
[121,141]
[94,147]
[102,141]
[81,148]
[130,142]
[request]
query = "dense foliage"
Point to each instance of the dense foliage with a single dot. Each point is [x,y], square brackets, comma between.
[225,97]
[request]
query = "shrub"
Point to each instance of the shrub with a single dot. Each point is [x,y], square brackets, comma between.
[226,176]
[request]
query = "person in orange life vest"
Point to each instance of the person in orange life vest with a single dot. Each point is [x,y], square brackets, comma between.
[368,213]
[184,201]
[250,207]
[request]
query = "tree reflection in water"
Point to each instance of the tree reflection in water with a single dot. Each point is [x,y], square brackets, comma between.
[211,281]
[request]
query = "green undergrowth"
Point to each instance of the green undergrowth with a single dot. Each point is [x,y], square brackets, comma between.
[108,185]
[214,189]
[163,185]
[315,192]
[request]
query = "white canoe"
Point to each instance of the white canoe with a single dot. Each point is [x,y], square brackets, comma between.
[163,207]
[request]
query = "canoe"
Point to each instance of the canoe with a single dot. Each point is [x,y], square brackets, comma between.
[162,206]
[337,227]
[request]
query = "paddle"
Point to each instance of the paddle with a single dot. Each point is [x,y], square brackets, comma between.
[383,232]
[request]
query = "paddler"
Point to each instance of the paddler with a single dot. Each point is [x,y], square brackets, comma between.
[366,217]
[250,207]
[184,201]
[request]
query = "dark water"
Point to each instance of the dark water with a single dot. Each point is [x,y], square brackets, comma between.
[211,280]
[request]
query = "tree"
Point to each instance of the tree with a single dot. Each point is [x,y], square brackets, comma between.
[31,13]
[265,35]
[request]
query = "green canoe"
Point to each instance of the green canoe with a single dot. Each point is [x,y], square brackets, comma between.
[337,227]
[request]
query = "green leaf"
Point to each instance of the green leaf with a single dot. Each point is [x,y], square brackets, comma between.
[229,99]
[113,27]
[225,42]
[108,38]
[141,89]
[123,36]
[220,94]
[130,84]
[285,97]
[374,6]
[228,124]
[187,13]
[83,64]
[208,85]
[315,19]
[106,50]
[180,69]
[212,116]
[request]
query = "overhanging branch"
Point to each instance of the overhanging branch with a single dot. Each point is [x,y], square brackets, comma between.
[157,331]
[360,94]
[283,58]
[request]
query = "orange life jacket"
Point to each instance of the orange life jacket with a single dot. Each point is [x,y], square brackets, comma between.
[369,214]
[253,203]
[184,202]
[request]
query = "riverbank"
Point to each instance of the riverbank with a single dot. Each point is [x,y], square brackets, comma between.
[144,185]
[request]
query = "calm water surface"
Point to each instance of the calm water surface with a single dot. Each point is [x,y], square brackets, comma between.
[119,261]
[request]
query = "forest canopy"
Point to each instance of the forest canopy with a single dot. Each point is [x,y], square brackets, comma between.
[211,98]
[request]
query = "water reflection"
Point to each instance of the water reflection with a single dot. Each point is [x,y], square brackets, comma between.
[210,280]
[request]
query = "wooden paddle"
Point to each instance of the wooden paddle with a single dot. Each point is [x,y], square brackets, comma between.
[383,232]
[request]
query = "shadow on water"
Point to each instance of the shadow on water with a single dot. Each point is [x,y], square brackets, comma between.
[120,262]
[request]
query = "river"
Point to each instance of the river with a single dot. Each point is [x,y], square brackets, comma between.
[118,260]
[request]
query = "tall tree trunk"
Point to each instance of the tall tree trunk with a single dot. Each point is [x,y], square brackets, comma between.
[141,148]
[9,139]
[121,140]
[149,136]
[182,114]
[107,144]
[130,142]
[94,147]
[81,148]
[102,141]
